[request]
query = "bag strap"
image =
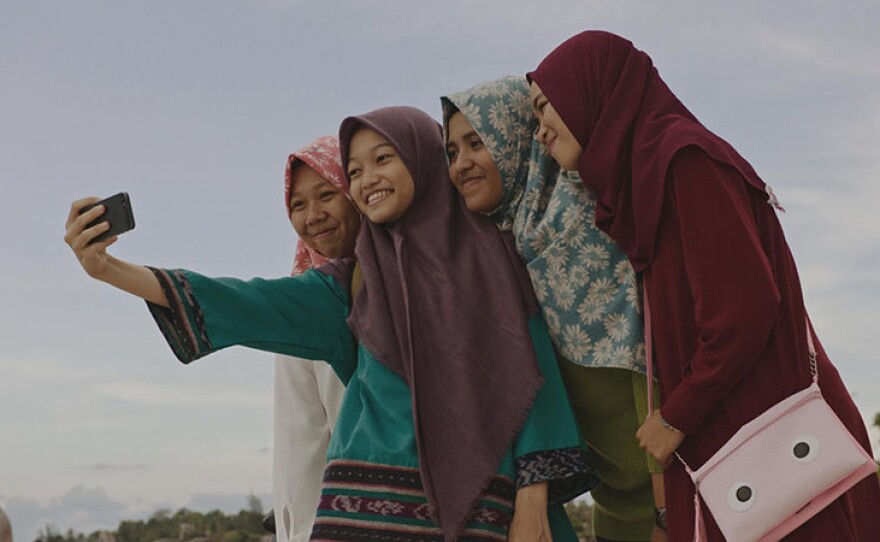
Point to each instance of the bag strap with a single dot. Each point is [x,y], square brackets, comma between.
[814,365]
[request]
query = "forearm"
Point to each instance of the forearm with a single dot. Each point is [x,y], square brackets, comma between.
[533,497]
[659,491]
[134,279]
[530,521]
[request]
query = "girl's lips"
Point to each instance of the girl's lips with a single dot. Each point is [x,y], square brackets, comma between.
[470,181]
[376,197]
[324,234]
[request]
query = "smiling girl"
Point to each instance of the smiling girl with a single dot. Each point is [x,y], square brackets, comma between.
[585,285]
[728,313]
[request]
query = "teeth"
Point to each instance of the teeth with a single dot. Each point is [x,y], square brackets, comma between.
[376,195]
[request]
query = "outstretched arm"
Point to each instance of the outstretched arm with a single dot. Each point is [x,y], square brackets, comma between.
[98,264]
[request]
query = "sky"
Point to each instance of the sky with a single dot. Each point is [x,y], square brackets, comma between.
[192,107]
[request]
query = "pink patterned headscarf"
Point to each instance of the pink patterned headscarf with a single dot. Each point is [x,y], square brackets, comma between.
[322,155]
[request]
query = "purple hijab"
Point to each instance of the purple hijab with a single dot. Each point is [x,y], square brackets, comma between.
[609,94]
[445,303]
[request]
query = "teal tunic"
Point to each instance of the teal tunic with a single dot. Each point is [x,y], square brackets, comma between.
[372,488]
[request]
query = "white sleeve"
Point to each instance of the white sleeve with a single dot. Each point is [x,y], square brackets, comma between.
[307,396]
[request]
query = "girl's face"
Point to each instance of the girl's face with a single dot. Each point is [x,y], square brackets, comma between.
[381,185]
[553,133]
[321,214]
[471,167]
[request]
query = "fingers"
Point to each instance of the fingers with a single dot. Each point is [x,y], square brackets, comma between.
[654,439]
[81,243]
[76,225]
[658,451]
[75,208]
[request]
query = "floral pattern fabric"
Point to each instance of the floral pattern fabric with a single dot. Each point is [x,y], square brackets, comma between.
[588,291]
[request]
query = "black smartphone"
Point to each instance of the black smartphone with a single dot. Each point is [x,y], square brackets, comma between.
[117,212]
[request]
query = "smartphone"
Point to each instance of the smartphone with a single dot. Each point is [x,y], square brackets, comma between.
[117,212]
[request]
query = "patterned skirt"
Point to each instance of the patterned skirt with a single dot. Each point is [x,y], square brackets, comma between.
[364,501]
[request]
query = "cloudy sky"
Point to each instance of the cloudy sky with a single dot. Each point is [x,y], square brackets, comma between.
[192,107]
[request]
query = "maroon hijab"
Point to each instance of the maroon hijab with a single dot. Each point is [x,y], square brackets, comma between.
[602,86]
[445,303]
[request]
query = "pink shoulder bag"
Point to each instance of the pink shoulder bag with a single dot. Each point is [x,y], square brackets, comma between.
[778,470]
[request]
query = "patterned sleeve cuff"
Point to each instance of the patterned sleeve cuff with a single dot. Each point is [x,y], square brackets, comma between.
[182,323]
[567,471]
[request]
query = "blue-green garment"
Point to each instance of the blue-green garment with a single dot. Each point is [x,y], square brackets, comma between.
[371,482]
[586,286]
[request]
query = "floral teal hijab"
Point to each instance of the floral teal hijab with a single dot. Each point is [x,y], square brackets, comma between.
[586,286]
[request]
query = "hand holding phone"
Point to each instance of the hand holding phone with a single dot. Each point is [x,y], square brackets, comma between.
[117,211]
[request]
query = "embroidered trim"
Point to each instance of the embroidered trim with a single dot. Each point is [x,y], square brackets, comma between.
[385,503]
[366,476]
[568,472]
[187,342]
[197,314]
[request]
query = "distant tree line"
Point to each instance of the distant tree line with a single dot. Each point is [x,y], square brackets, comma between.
[183,525]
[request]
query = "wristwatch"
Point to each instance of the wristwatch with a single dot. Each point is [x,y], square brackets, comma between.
[667,425]
[660,517]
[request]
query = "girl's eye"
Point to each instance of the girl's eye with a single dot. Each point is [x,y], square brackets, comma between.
[296,206]
[383,158]
[451,153]
[353,172]
[327,195]
[476,143]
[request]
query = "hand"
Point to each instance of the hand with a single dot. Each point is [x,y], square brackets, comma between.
[530,522]
[657,440]
[93,258]
[659,535]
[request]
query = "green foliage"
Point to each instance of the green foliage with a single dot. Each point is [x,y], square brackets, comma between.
[179,526]
[255,505]
[51,533]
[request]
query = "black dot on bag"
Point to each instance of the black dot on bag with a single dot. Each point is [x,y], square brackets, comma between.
[801,450]
[743,493]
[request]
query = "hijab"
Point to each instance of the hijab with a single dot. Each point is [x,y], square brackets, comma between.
[445,303]
[630,125]
[585,284]
[322,155]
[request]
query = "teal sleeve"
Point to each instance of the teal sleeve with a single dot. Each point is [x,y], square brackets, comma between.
[549,447]
[303,316]
[560,524]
